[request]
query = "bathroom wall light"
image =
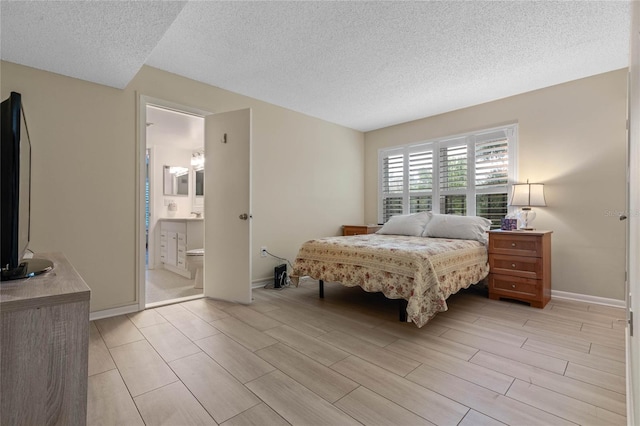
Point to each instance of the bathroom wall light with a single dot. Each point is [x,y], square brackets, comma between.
[197,159]
[178,171]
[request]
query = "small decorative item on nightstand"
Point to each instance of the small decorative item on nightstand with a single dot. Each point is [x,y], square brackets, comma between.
[520,266]
[508,224]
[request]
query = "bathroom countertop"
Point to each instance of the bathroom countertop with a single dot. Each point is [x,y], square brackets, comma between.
[181,219]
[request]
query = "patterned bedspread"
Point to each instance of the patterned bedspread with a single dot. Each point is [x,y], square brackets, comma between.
[423,271]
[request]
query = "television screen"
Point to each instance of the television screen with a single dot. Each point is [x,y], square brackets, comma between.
[24,192]
[15,202]
[10,168]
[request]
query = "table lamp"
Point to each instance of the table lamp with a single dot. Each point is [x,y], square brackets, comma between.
[527,195]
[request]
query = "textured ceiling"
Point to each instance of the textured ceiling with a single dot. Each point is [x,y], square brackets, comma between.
[364,65]
[105,42]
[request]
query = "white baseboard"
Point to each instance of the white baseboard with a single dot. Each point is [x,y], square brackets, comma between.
[106,313]
[261,282]
[565,295]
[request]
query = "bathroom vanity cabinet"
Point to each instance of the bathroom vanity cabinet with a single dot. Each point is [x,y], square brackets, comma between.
[177,235]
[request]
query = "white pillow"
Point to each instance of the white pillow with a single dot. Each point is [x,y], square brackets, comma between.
[454,226]
[406,224]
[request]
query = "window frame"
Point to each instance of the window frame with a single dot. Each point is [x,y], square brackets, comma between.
[435,145]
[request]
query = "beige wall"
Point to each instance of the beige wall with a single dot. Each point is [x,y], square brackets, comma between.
[572,138]
[307,173]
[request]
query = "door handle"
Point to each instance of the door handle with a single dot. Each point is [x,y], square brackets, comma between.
[244,216]
[622,217]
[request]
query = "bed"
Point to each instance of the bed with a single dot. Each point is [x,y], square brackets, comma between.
[421,270]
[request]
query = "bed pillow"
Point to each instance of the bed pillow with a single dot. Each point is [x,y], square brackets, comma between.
[406,224]
[454,226]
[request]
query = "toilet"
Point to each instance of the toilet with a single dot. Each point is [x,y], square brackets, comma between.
[194,262]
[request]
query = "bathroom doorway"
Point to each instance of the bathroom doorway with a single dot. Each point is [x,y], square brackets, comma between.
[173,205]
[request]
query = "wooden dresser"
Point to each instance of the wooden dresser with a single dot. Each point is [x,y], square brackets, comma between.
[44,339]
[520,266]
[359,229]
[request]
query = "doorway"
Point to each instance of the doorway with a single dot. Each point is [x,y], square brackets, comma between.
[172,206]
[227,201]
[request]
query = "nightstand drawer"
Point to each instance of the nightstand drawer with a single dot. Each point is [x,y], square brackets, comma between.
[516,286]
[516,245]
[526,267]
[359,229]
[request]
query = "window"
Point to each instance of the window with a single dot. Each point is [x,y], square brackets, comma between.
[420,181]
[466,175]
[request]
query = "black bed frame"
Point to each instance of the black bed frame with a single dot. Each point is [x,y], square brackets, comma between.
[402,304]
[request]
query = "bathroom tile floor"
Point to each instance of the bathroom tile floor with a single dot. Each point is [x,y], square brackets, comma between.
[164,285]
[291,358]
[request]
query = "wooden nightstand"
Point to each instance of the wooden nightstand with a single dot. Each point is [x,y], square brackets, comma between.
[520,263]
[359,229]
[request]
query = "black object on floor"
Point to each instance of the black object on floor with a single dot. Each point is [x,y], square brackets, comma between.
[280,276]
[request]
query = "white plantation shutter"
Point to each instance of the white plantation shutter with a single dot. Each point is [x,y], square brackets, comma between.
[467,174]
[492,175]
[394,174]
[492,160]
[453,168]
[393,185]
[420,181]
[454,177]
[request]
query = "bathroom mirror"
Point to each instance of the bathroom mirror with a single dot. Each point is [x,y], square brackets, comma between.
[199,183]
[198,190]
[176,180]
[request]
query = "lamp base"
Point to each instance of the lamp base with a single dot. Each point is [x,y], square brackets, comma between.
[526,216]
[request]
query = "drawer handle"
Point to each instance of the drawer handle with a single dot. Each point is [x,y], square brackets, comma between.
[513,285]
[513,244]
[513,265]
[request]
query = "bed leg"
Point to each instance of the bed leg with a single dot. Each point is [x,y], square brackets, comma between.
[402,310]
[321,289]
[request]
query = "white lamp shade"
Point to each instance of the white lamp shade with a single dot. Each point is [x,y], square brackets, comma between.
[527,194]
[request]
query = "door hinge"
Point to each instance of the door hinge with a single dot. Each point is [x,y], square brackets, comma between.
[631,323]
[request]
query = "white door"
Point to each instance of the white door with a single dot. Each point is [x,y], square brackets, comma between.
[633,261]
[227,206]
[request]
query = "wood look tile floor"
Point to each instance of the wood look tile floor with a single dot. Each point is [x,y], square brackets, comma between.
[292,358]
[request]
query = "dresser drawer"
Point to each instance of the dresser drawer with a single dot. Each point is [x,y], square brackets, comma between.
[516,245]
[518,287]
[526,267]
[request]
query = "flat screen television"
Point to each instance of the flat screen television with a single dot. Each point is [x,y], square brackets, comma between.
[15,196]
